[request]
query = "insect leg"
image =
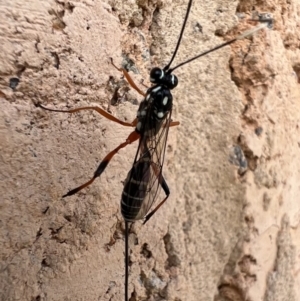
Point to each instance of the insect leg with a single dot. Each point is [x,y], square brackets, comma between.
[131,138]
[129,79]
[174,123]
[99,110]
[166,189]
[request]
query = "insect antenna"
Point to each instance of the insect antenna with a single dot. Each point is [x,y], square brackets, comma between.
[266,23]
[166,68]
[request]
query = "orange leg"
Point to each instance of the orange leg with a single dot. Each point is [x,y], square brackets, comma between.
[131,138]
[99,110]
[174,123]
[129,79]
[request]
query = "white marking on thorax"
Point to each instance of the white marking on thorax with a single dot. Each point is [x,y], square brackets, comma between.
[160,114]
[156,89]
[162,74]
[165,100]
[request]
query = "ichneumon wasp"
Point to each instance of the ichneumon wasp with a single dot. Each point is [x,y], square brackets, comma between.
[152,123]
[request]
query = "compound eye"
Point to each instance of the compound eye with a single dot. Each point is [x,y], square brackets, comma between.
[156,74]
[173,81]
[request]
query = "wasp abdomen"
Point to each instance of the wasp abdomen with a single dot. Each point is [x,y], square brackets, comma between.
[135,190]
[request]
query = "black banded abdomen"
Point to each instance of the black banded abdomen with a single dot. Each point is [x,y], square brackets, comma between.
[135,190]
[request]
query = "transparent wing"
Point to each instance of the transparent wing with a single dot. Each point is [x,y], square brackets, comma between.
[144,178]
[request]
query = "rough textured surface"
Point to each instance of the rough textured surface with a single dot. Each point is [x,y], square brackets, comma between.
[230,230]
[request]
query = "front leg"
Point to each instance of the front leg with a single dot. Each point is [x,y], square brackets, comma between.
[129,79]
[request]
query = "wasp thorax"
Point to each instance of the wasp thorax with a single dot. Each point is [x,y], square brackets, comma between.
[162,102]
[159,76]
